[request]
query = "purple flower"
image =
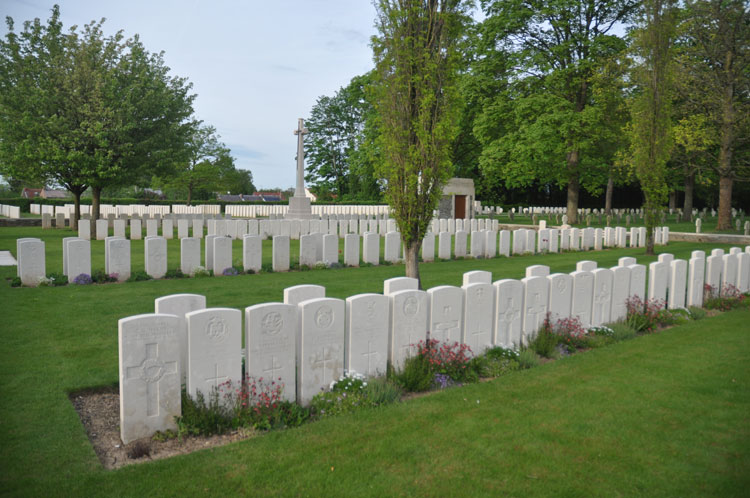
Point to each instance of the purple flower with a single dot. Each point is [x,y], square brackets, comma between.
[83,279]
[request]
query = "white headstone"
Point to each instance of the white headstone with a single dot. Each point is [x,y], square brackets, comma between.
[537,271]
[560,296]
[536,299]
[155,249]
[478,326]
[396,284]
[351,249]
[554,237]
[371,248]
[280,256]
[183,228]
[428,247]
[79,258]
[308,251]
[252,252]
[743,272]
[620,292]
[102,229]
[271,345]
[180,305]
[214,337]
[477,277]
[657,281]
[459,244]
[119,228]
[152,228]
[198,228]
[638,281]
[392,246]
[321,353]
[602,303]
[444,245]
[678,275]
[642,237]
[149,357]
[84,229]
[729,272]
[446,313]
[583,296]
[477,244]
[586,265]
[504,243]
[167,229]
[136,229]
[222,254]
[530,245]
[626,261]
[330,249]
[409,323]
[565,239]
[118,258]
[366,343]
[543,239]
[298,293]
[696,275]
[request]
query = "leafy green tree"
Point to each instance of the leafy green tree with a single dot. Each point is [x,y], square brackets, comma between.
[651,130]
[206,167]
[544,123]
[82,109]
[416,60]
[716,54]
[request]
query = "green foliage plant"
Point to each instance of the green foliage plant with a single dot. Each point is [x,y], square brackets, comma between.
[139,276]
[527,358]
[622,332]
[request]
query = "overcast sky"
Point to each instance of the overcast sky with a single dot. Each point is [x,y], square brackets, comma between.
[256,66]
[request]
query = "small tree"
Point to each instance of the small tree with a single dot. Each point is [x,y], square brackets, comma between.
[651,134]
[416,96]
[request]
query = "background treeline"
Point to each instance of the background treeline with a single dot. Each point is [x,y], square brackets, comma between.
[549,91]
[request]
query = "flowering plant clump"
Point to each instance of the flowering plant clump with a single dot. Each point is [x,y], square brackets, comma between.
[729,298]
[346,394]
[200,271]
[452,359]
[230,272]
[44,282]
[601,330]
[645,316]
[443,381]
[351,381]
[571,332]
[83,279]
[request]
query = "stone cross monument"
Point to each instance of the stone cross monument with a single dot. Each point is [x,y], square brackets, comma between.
[299,205]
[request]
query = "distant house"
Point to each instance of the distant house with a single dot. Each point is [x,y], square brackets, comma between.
[53,194]
[230,198]
[256,197]
[270,196]
[310,195]
[31,193]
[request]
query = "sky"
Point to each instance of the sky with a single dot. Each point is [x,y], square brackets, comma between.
[256,66]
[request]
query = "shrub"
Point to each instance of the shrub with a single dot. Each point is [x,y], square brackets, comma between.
[101,277]
[495,362]
[452,359]
[15,282]
[500,353]
[416,374]
[644,316]
[199,272]
[56,280]
[346,394]
[527,359]
[201,416]
[697,313]
[174,273]
[729,298]
[382,391]
[321,266]
[139,276]
[266,268]
[83,279]
[622,332]
[546,341]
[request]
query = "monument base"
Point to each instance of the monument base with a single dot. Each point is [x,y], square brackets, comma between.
[299,209]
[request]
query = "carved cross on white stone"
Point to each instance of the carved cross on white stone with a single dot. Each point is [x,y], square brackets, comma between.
[477,334]
[321,361]
[275,367]
[511,313]
[300,132]
[601,299]
[369,354]
[150,371]
[216,378]
[536,309]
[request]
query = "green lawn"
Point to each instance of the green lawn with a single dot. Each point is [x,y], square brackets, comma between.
[666,414]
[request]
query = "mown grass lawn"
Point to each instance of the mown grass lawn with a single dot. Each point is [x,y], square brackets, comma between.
[666,414]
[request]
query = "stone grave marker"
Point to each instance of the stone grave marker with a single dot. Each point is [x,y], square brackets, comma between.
[190,254]
[59,220]
[620,292]
[136,229]
[149,357]
[118,227]
[102,229]
[222,254]
[444,245]
[446,313]
[530,245]
[409,322]
[602,303]
[477,245]
[657,281]
[167,229]
[729,271]
[152,228]
[209,252]
[504,243]
[642,237]
[565,238]
[459,244]
[537,271]
[351,249]
[490,243]
[117,260]
[321,352]
[183,229]
[536,304]
[743,272]
[696,276]
[428,247]
[519,241]
[478,323]
[477,277]
[155,249]
[366,334]
[371,248]
[583,296]
[79,258]
[280,256]
[84,229]
[252,252]
[271,345]
[586,265]
[626,261]
[638,281]
[214,338]
[180,305]
[330,249]
[198,228]
[575,239]
[307,250]
[677,284]
[554,238]
[560,296]
[304,292]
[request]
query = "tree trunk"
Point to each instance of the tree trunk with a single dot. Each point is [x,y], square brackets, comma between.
[608,196]
[411,258]
[96,199]
[574,188]
[77,211]
[725,203]
[687,207]
[190,194]
[672,200]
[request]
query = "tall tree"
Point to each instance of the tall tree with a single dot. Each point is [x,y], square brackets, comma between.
[544,126]
[651,130]
[85,109]
[716,46]
[416,70]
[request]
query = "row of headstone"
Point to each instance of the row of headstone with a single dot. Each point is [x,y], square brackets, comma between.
[119,228]
[9,211]
[309,340]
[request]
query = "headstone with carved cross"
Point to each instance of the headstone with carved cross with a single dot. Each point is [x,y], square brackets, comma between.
[620,292]
[409,324]
[446,313]
[214,350]
[366,336]
[509,306]
[536,304]
[321,346]
[270,344]
[583,295]
[602,304]
[149,352]
[560,295]
[478,317]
